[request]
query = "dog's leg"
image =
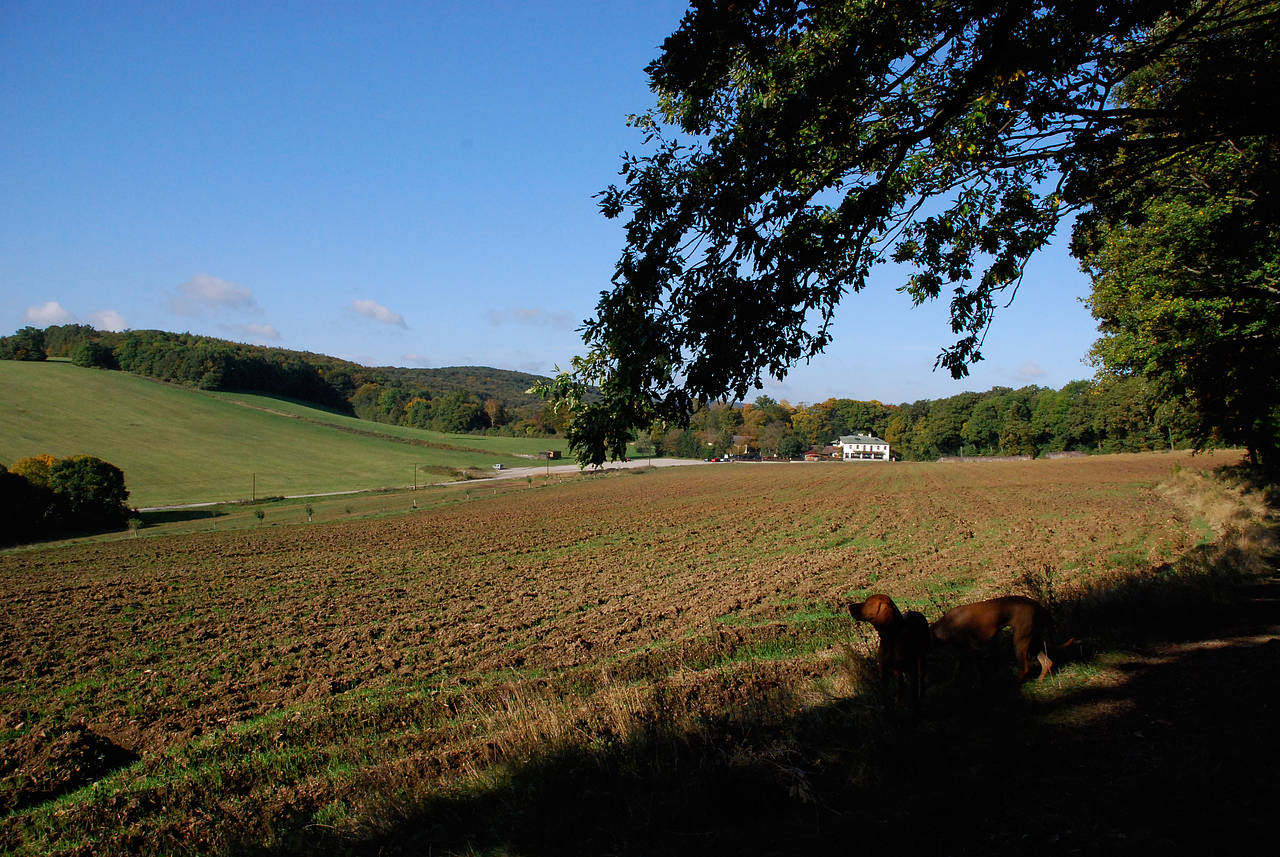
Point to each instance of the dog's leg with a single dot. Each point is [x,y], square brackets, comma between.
[1024,640]
[883,662]
[1024,665]
[1046,664]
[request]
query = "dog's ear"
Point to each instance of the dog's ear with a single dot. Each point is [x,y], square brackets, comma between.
[883,610]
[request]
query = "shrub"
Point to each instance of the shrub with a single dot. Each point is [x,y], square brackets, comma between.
[92,491]
[45,496]
[26,344]
[24,506]
[94,354]
[35,468]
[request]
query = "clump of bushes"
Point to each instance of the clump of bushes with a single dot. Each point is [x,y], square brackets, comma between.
[92,353]
[44,497]
[26,344]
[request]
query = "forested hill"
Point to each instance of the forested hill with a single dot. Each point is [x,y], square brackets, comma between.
[457,398]
[484,382]
[1112,414]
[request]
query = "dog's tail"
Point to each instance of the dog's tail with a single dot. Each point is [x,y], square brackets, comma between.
[1054,651]
[1048,631]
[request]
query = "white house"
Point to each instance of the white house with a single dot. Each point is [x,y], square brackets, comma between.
[864,447]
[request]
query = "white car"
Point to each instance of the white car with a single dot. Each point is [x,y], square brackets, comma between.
[499,467]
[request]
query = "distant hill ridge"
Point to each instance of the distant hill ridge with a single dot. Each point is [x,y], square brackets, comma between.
[177,444]
[451,399]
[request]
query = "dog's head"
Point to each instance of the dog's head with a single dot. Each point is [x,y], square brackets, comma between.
[879,610]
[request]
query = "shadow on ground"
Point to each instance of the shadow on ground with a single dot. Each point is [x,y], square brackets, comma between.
[172,516]
[1178,754]
[1166,743]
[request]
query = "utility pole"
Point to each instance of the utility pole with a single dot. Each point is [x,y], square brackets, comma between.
[253,487]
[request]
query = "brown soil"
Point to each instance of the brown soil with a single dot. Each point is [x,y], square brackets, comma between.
[1170,749]
[114,651]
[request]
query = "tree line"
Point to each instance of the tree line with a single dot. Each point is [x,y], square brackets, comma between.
[1113,414]
[1109,415]
[454,399]
[796,145]
[46,497]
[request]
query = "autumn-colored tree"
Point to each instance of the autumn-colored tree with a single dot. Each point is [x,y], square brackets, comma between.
[46,496]
[35,468]
[418,412]
[495,412]
[812,423]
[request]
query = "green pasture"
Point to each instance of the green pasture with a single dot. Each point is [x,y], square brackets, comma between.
[177,445]
[274,512]
[483,443]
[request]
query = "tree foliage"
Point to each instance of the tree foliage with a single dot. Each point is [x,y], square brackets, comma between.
[1114,414]
[43,496]
[23,506]
[35,468]
[92,353]
[1185,258]
[796,145]
[24,344]
[92,492]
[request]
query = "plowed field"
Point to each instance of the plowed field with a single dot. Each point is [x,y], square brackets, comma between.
[332,656]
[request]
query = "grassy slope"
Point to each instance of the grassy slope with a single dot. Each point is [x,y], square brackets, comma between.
[494,445]
[177,445]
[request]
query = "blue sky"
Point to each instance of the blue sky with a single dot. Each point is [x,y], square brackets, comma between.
[402,184]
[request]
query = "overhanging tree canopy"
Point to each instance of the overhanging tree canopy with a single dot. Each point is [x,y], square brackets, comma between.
[1185,258]
[796,145]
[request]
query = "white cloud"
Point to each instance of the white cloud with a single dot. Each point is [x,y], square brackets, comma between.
[48,313]
[377,312]
[107,319]
[533,317]
[1029,372]
[203,292]
[420,361]
[256,332]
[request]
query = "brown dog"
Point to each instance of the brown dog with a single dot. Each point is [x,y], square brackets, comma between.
[904,640]
[971,626]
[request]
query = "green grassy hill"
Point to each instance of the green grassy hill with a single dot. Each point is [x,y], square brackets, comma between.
[177,445]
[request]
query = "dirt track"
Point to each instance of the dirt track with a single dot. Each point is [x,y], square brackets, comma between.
[539,470]
[505,473]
